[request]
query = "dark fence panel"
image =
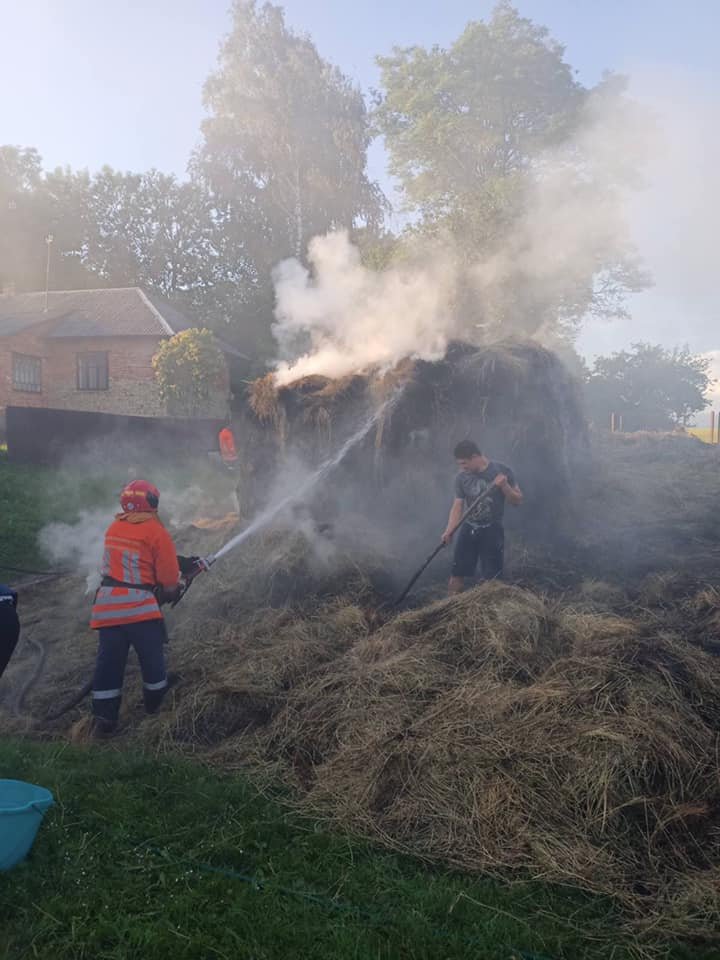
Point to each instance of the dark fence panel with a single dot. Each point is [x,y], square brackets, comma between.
[36,435]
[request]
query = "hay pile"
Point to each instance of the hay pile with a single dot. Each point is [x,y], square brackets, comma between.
[515,398]
[569,733]
[573,738]
[500,731]
[648,503]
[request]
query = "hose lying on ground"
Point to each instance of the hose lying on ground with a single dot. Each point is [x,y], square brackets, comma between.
[73,701]
[17,703]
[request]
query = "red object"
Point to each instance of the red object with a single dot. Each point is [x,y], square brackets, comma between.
[140,555]
[228,450]
[139,496]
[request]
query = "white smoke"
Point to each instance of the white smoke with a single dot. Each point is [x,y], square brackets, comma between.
[356,317]
[574,218]
[673,220]
[78,546]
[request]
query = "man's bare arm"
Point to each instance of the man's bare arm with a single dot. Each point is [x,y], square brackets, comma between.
[513,494]
[456,511]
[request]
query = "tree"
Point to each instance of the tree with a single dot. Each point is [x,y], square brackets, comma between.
[653,388]
[33,206]
[284,152]
[110,229]
[484,138]
[150,230]
[189,367]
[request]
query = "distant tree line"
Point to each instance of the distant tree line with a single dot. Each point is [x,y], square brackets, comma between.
[649,386]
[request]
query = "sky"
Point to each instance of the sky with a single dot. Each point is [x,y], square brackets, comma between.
[89,82]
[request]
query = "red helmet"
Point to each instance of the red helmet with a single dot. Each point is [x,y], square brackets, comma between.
[139,496]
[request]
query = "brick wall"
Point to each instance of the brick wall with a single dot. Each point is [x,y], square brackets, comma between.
[29,343]
[132,388]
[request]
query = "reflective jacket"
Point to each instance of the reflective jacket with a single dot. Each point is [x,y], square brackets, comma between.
[138,550]
[227,445]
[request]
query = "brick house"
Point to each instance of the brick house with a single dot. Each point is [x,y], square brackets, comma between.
[90,350]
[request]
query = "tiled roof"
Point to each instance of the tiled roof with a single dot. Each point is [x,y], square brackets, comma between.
[121,312]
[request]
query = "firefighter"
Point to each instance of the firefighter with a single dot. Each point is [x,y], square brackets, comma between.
[9,625]
[139,572]
[228,450]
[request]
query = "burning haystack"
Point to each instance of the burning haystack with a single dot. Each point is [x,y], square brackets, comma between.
[515,398]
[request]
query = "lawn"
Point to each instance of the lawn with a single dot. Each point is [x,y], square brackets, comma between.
[148,858]
[33,496]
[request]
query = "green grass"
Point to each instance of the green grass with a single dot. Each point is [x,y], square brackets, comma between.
[142,858]
[23,511]
[33,496]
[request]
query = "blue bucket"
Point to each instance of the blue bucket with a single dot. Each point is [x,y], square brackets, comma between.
[22,807]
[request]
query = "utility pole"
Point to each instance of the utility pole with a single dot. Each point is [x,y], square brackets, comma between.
[48,240]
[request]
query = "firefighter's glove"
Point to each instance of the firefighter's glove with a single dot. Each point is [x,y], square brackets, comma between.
[164,596]
[188,565]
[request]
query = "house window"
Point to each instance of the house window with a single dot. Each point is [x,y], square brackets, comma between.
[27,373]
[92,371]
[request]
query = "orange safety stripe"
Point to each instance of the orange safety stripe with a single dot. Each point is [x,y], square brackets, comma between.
[140,553]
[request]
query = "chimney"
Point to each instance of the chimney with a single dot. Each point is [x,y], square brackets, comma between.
[8,289]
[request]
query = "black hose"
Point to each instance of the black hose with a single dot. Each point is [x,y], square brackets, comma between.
[74,700]
[39,573]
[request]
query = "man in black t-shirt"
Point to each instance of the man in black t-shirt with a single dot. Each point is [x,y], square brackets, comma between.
[481,537]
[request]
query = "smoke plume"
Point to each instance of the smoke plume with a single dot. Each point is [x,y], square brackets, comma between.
[357,318]
[562,256]
[78,546]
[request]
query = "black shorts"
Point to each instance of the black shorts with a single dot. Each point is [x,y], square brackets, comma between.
[486,544]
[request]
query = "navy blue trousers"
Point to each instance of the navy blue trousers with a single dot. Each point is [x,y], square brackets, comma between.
[147,638]
[9,633]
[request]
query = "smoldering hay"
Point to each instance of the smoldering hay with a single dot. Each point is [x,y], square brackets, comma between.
[568,735]
[515,398]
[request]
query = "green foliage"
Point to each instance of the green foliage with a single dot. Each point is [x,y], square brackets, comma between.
[283,158]
[188,367]
[109,229]
[146,857]
[34,205]
[33,496]
[285,145]
[651,387]
[149,230]
[483,137]
[456,119]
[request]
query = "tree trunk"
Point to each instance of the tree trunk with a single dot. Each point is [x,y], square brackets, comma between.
[298,215]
